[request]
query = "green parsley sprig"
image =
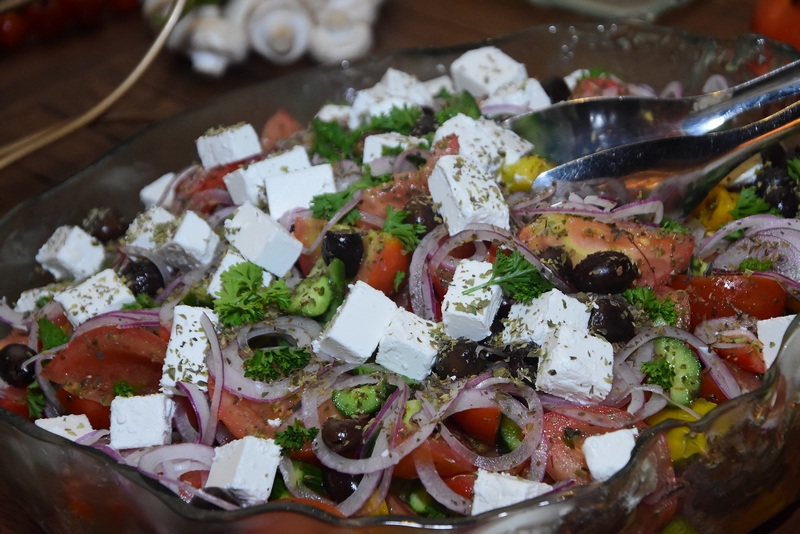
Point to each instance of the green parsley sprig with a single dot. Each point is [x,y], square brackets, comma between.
[674,226]
[294,437]
[517,277]
[50,334]
[658,310]
[35,400]
[244,299]
[143,302]
[327,205]
[659,372]
[123,389]
[749,203]
[793,167]
[407,233]
[462,102]
[755,265]
[267,365]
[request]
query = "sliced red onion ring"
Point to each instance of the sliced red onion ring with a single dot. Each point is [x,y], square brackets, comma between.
[92,437]
[215,369]
[402,164]
[294,483]
[712,243]
[344,210]
[219,216]
[200,406]
[419,284]
[366,487]
[120,319]
[437,488]
[151,460]
[501,110]
[382,165]
[209,197]
[184,426]
[371,219]
[186,174]
[673,89]
[11,317]
[52,407]
[712,329]
[715,82]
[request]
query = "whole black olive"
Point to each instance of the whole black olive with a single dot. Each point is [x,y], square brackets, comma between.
[556,88]
[777,188]
[523,365]
[783,199]
[502,313]
[143,276]
[339,486]
[11,358]
[105,224]
[420,210]
[345,245]
[220,493]
[776,155]
[557,259]
[425,124]
[612,319]
[460,361]
[604,272]
[342,435]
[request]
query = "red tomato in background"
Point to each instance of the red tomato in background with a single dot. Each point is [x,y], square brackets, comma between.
[778,19]
[748,356]
[46,18]
[279,126]
[12,29]
[464,484]
[728,295]
[85,13]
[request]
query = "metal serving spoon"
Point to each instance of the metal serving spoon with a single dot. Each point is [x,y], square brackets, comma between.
[568,130]
[678,170]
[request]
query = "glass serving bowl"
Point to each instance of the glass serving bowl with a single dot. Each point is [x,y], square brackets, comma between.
[749,469]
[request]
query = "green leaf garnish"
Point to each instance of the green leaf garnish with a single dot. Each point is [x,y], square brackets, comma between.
[294,437]
[659,372]
[244,299]
[35,400]
[50,334]
[407,233]
[123,389]
[270,364]
[751,204]
[143,302]
[517,277]
[755,265]
[658,310]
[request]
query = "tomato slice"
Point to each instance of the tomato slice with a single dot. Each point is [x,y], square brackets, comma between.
[90,365]
[730,295]
[384,257]
[99,415]
[306,230]
[464,484]
[482,424]
[748,356]
[280,126]
[448,463]
[15,400]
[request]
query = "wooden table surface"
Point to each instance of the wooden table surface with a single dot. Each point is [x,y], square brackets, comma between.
[42,83]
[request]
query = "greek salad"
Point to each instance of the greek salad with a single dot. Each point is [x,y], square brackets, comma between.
[382,312]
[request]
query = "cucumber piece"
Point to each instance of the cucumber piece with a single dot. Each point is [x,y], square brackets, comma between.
[421,502]
[685,365]
[510,433]
[360,400]
[338,285]
[311,297]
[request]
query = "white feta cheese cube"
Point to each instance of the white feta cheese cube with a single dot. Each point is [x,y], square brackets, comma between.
[334,113]
[608,453]
[286,192]
[102,293]
[496,490]
[407,85]
[512,146]
[533,322]
[483,70]
[220,146]
[230,259]
[408,346]
[470,315]
[527,95]
[436,85]
[149,229]
[575,365]
[185,360]
[246,184]
[375,144]
[261,239]
[475,142]
[141,421]
[372,102]
[246,467]
[359,323]
[160,190]
[574,77]
[27,299]
[191,245]
[770,333]
[71,253]
[71,427]
[465,196]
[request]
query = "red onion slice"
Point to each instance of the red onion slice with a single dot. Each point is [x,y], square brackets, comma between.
[11,317]
[215,369]
[437,488]
[344,210]
[200,406]
[419,284]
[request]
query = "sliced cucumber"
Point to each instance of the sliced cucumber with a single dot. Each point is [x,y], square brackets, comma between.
[686,366]
[360,400]
[311,297]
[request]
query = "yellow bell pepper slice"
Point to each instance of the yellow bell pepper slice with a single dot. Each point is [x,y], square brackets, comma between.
[715,210]
[520,176]
[681,443]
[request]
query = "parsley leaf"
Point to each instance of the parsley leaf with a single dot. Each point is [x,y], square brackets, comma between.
[674,226]
[244,299]
[462,102]
[754,264]
[267,365]
[751,204]
[50,334]
[143,302]
[35,400]
[407,233]
[659,372]
[123,389]
[294,437]
[793,167]
[517,277]
[399,276]
[41,301]
[657,310]
[326,205]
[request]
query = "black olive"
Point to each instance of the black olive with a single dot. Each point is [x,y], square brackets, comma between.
[612,319]
[523,365]
[104,224]
[783,199]
[220,493]
[460,361]
[420,210]
[143,276]
[339,486]
[604,272]
[11,358]
[777,188]
[556,88]
[342,435]
[502,313]
[776,155]
[345,245]
[425,124]
[557,259]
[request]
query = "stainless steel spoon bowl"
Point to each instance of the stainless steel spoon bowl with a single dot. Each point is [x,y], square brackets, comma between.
[576,128]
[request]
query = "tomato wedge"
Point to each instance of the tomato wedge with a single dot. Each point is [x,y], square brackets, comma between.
[448,463]
[280,126]
[482,424]
[14,400]
[306,230]
[384,257]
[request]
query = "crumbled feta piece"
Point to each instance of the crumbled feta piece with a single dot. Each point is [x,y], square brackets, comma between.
[286,192]
[770,333]
[71,427]
[483,70]
[608,453]
[533,322]
[71,253]
[465,196]
[574,77]
[334,113]
[149,229]
[496,490]
[261,239]
[230,259]
[526,94]
[359,323]
[102,293]
[27,299]
[408,346]
[141,421]
[407,85]
[470,315]
[436,85]
[191,245]
[375,144]
[396,89]
[160,190]
[246,184]
[185,360]
[512,146]
[575,365]
[246,467]
[220,146]
[484,142]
